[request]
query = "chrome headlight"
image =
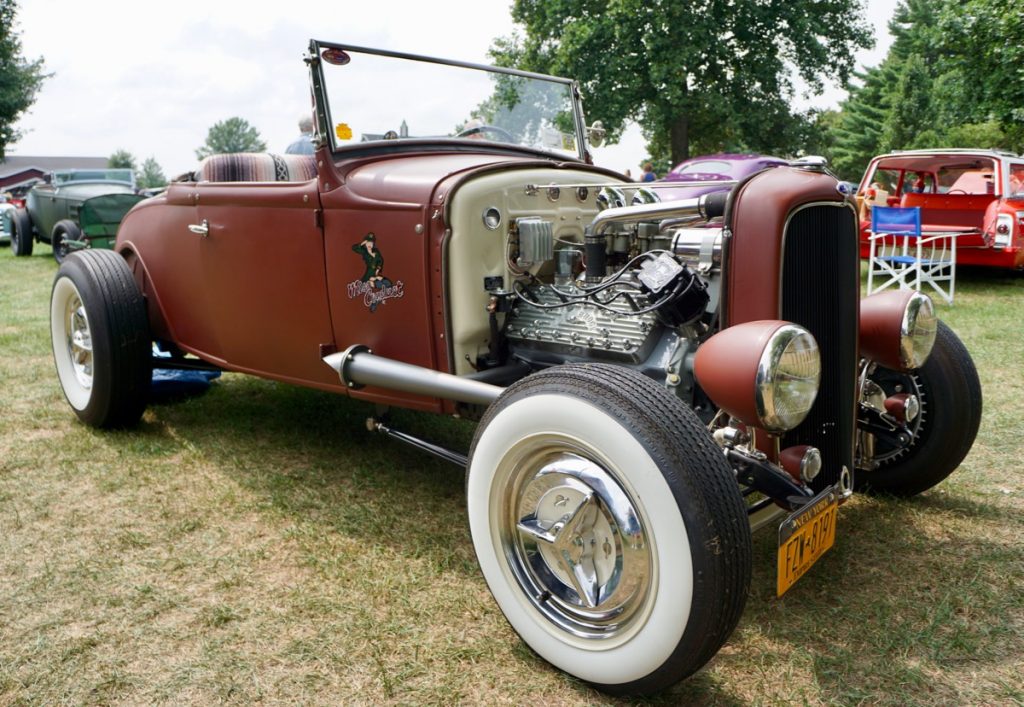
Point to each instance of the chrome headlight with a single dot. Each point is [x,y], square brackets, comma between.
[917,333]
[763,373]
[787,378]
[897,328]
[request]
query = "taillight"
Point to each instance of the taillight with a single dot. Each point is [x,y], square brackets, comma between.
[1004,230]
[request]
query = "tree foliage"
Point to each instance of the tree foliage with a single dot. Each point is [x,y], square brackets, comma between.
[952,78]
[694,76]
[985,41]
[231,135]
[151,176]
[121,159]
[20,79]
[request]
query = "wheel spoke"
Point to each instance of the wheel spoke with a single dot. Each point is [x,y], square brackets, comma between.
[575,544]
[572,539]
[79,342]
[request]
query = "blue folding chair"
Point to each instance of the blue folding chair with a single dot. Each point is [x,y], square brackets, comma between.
[901,256]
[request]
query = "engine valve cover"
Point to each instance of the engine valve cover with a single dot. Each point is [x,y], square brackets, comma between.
[583,329]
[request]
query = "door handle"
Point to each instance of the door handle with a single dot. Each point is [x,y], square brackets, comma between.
[202,229]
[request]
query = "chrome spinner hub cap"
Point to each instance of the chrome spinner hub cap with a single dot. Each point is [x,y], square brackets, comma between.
[79,341]
[577,546]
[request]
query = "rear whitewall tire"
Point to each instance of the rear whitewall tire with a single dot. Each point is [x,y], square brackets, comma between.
[652,648]
[100,338]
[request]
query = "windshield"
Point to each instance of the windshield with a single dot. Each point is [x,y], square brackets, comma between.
[705,167]
[92,175]
[375,97]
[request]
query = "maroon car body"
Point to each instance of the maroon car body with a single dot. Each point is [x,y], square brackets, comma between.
[652,381]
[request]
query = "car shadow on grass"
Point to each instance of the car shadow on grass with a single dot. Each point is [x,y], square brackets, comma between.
[914,593]
[310,455]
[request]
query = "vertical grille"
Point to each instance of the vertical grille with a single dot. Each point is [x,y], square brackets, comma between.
[821,292]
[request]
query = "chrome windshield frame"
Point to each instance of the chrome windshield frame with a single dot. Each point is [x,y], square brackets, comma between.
[322,106]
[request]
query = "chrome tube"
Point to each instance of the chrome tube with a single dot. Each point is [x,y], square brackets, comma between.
[700,248]
[357,366]
[649,212]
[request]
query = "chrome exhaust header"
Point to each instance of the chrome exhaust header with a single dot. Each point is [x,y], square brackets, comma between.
[357,367]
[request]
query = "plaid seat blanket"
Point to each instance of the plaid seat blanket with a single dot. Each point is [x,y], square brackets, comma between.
[257,167]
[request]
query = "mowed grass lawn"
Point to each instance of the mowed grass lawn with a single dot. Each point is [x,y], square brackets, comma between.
[258,544]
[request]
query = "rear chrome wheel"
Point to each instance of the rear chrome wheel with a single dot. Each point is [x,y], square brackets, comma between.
[608,526]
[72,343]
[100,337]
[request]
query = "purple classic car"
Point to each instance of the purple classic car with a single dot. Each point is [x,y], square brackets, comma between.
[721,167]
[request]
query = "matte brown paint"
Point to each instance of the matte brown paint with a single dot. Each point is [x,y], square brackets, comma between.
[790,457]
[726,367]
[758,215]
[881,325]
[268,288]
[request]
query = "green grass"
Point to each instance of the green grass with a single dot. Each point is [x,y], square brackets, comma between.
[257,544]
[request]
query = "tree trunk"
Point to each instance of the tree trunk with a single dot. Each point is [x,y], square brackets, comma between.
[679,139]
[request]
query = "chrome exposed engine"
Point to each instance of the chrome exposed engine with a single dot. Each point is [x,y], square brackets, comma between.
[580,328]
[639,276]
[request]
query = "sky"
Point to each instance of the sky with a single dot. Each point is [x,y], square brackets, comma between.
[151,78]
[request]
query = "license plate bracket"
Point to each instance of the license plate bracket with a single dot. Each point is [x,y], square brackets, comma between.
[804,537]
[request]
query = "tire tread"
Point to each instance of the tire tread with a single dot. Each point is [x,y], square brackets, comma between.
[677,441]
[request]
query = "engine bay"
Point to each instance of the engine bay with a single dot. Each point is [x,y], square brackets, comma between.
[547,267]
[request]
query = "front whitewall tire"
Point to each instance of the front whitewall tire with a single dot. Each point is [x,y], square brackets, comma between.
[657,491]
[658,630]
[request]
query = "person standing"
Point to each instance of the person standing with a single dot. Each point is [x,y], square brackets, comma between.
[648,175]
[303,144]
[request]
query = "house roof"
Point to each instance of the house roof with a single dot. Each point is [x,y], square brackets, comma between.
[14,164]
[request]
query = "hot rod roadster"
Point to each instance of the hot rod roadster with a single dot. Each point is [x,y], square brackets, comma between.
[652,379]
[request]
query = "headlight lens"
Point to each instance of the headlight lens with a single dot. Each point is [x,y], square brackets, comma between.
[917,334]
[787,378]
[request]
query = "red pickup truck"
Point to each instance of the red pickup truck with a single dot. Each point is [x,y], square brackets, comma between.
[977,193]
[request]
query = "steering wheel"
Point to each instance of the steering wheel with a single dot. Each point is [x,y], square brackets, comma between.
[956,191]
[503,135]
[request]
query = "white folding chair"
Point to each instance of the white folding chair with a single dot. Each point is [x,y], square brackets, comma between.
[902,256]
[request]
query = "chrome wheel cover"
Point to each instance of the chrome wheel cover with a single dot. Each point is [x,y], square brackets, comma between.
[574,540]
[79,340]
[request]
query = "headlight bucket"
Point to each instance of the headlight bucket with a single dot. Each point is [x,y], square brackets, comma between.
[897,329]
[763,373]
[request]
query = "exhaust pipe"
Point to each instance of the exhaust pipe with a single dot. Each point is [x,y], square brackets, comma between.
[357,367]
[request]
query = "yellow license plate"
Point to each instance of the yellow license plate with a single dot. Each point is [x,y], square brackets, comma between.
[805,536]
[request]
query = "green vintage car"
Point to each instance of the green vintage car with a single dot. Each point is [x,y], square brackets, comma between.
[73,209]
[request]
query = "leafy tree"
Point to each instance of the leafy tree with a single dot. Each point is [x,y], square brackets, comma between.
[151,176]
[985,40]
[690,74]
[20,79]
[910,114]
[952,78]
[231,135]
[988,134]
[121,159]
[858,135]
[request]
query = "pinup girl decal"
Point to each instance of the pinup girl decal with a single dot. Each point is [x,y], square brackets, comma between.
[373,286]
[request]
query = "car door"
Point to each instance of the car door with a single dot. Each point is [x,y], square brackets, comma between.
[261,270]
